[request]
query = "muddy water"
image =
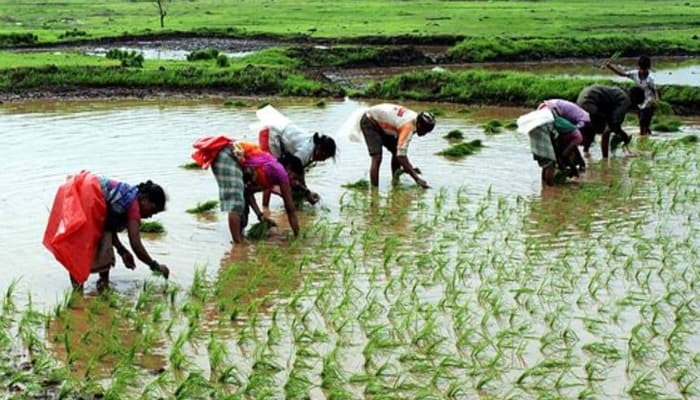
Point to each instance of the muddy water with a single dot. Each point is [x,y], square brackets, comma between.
[134,141]
[666,70]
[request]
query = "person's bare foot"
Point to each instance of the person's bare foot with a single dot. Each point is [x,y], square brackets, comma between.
[102,285]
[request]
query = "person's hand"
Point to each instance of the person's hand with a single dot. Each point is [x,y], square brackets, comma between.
[128,260]
[313,198]
[626,150]
[163,270]
[422,183]
[268,221]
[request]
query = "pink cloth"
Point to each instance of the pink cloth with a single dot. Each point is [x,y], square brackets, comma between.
[134,212]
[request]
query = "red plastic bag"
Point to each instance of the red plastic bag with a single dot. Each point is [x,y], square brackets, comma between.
[76,223]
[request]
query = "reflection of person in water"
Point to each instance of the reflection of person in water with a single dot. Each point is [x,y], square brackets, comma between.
[87,213]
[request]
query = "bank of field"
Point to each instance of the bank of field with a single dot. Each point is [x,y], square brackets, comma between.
[81,19]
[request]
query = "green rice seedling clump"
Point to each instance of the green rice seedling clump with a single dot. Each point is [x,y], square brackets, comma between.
[362,184]
[258,231]
[454,134]
[190,165]
[672,125]
[492,127]
[203,207]
[151,227]
[689,139]
[462,149]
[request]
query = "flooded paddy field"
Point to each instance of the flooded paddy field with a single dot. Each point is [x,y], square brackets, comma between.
[484,286]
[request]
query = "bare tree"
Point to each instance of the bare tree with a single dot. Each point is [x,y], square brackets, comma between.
[162,10]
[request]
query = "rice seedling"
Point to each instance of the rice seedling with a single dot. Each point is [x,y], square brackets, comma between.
[362,184]
[204,207]
[191,166]
[454,134]
[670,125]
[258,231]
[235,103]
[462,149]
[151,227]
[492,127]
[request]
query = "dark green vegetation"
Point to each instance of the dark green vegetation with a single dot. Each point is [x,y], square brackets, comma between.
[191,166]
[203,207]
[151,227]
[462,149]
[249,80]
[666,125]
[204,54]
[454,134]
[513,48]
[258,231]
[506,88]
[493,127]
[361,184]
[127,58]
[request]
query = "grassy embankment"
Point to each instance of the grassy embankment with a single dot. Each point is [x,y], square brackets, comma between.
[545,30]
[505,88]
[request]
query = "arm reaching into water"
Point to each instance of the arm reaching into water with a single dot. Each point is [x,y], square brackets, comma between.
[132,229]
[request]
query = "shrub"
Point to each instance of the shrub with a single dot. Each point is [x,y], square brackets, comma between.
[222,61]
[204,54]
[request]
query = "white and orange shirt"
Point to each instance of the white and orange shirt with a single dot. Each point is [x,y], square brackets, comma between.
[396,121]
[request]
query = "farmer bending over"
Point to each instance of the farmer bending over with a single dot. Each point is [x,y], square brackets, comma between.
[607,107]
[87,213]
[392,126]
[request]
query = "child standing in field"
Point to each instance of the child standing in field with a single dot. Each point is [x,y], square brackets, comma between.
[642,77]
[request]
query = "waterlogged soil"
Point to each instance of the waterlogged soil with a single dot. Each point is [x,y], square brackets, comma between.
[484,285]
[167,48]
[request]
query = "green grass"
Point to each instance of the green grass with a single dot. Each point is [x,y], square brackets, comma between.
[513,48]
[661,19]
[505,88]
[461,149]
[203,207]
[151,227]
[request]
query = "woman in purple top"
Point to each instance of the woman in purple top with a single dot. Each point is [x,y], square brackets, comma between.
[577,116]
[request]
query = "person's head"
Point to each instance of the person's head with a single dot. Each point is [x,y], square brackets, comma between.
[151,199]
[644,63]
[324,147]
[425,122]
[636,95]
[294,168]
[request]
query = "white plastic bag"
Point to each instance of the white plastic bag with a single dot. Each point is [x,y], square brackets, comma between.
[533,119]
[270,117]
[351,127]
